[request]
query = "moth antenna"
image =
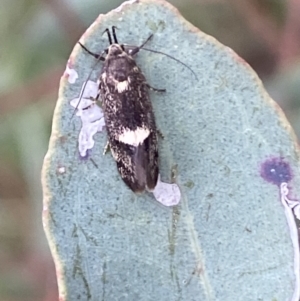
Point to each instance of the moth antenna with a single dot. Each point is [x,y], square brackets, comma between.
[115,37]
[136,49]
[148,39]
[171,57]
[114,34]
[108,35]
[100,57]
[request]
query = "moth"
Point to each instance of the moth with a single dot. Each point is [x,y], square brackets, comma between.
[128,115]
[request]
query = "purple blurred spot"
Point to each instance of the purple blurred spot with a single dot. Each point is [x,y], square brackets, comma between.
[276,171]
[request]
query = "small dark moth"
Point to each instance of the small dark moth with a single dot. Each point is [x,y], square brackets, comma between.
[128,114]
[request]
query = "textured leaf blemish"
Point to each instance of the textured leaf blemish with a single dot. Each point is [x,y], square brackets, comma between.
[52,219]
[276,171]
[61,170]
[207,212]
[89,238]
[196,249]
[77,271]
[103,279]
[189,184]
[172,236]
[74,232]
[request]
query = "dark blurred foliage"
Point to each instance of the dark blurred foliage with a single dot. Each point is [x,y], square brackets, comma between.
[36,40]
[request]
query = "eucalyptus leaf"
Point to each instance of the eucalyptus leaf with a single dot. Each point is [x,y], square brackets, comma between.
[226,144]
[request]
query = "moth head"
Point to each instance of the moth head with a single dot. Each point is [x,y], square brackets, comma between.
[115,49]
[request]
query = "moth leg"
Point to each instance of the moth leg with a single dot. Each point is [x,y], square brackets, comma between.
[106,148]
[95,101]
[95,55]
[154,89]
[88,107]
[99,92]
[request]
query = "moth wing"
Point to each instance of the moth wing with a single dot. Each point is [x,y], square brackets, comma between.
[151,162]
[146,162]
[130,122]
[138,166]
[125,156]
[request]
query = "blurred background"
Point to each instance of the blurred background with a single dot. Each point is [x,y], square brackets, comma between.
[37,37]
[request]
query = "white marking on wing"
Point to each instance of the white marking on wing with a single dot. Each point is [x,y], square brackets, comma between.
[134,138]
[122,86]
[103,76]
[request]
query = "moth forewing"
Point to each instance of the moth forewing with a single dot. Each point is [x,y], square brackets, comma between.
[129,119]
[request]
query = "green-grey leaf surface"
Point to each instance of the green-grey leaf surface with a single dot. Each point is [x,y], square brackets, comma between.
[228,239]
